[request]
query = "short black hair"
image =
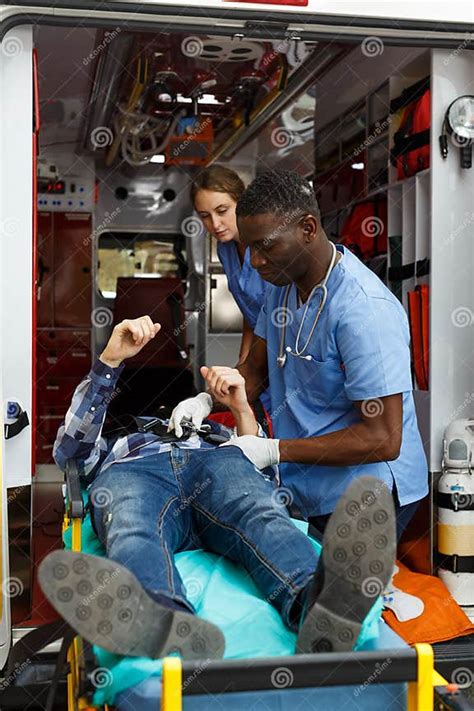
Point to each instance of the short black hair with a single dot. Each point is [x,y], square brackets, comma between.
[281,192]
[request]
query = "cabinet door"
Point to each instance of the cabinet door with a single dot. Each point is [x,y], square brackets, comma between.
[45,288]
[72,269]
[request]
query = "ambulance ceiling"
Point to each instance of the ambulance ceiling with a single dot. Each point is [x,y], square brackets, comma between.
[123,96]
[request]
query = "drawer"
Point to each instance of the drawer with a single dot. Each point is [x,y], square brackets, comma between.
[52,392]
[63,363]
[63,339]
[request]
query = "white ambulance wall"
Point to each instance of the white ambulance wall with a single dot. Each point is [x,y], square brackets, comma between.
[452,259]
[16,259]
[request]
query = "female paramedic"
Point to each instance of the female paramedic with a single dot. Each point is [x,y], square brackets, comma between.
[214,194]
[334,343]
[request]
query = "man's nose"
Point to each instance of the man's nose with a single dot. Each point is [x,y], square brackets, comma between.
[257,259]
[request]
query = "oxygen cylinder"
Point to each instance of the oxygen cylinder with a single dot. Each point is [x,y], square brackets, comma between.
[455,499]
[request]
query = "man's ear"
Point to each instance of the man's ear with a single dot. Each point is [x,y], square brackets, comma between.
[309,225]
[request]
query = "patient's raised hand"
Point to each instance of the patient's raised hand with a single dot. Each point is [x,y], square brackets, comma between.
[227,386]
[127,339]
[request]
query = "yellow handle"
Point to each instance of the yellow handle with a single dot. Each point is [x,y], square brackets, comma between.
[171,698]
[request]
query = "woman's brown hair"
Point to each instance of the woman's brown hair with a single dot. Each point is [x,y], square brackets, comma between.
[220,179]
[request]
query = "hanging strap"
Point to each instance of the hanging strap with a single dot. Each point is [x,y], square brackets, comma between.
[424,290]
[414,315]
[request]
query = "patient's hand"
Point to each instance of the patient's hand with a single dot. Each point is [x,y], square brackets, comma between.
[227,386]
[127,339]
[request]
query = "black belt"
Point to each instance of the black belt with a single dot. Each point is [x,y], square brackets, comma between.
[455,563]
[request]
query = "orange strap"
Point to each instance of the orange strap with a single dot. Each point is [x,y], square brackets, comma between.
[414,315]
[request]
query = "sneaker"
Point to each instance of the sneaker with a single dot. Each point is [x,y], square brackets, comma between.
[104,602]
[356,563]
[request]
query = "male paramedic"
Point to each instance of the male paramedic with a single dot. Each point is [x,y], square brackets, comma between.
[154,494]
[333,343]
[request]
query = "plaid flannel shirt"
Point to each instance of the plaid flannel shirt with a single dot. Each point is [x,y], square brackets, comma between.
[80,436]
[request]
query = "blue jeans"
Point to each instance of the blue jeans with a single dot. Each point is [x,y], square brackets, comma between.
[146,510]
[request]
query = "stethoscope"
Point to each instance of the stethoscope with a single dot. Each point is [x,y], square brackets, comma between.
[297,352]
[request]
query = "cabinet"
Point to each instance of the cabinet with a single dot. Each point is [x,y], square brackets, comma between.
[63,335]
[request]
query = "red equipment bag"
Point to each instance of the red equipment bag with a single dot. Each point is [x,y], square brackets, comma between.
[365,230]
[411,150]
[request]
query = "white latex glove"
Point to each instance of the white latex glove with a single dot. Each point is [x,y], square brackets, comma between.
[194,409]
[261,451]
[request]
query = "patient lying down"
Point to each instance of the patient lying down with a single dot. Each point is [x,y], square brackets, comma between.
[154,494]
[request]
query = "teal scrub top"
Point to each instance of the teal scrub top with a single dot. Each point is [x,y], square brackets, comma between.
[360,350]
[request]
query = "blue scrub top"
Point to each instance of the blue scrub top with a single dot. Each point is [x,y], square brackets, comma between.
[245,283]
[246,286]
[360,350]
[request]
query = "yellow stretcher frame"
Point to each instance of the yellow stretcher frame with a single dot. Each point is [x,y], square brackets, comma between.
[420,695]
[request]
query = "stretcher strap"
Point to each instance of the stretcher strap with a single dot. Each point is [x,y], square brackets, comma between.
[455,563]
[409,94]
[414,315]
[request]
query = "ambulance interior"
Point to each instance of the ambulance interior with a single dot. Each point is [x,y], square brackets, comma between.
[127,119]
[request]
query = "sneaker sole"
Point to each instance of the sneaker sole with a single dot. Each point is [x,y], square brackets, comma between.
[359,548]
[104,602]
